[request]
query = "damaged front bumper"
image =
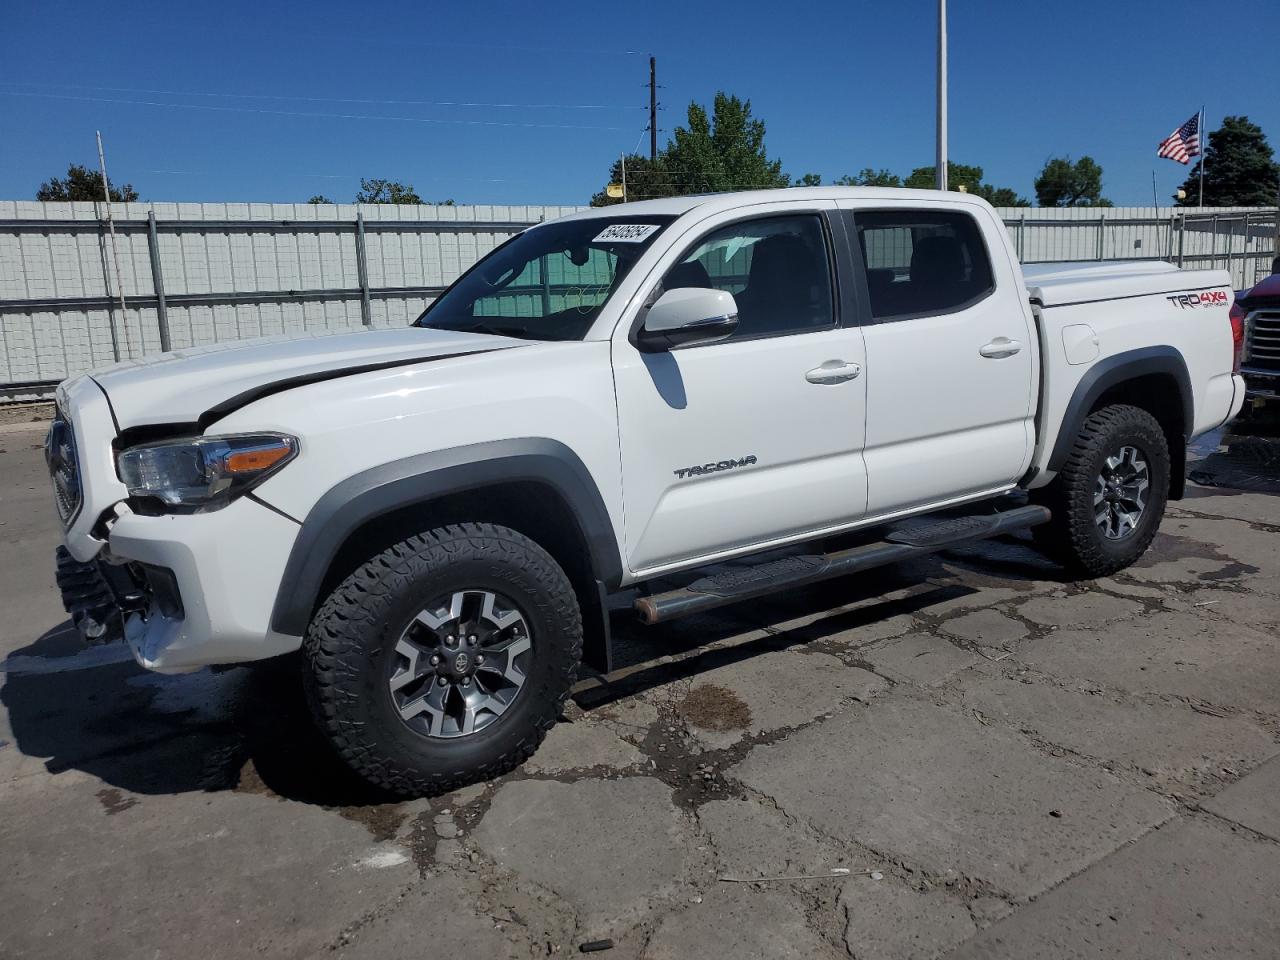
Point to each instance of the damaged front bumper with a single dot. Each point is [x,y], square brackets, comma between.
[102,598]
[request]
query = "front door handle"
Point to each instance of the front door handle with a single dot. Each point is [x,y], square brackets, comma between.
[999,348]
[833,371]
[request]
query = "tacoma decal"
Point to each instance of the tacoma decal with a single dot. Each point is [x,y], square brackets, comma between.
[1205,298]
[706,468]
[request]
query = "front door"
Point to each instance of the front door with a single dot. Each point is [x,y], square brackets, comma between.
[733,444]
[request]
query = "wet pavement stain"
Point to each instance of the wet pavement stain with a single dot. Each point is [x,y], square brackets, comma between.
[381,820]
[713,707]
[113,801]
[1171,547]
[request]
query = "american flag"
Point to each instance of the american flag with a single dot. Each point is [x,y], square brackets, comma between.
[1183,143]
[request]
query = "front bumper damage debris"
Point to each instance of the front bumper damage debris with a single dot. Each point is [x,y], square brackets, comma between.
[101,596]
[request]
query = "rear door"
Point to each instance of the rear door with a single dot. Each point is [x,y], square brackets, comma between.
[758,438]
[952,356]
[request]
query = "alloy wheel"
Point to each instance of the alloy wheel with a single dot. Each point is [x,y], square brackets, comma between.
[1120,493]
[460,664]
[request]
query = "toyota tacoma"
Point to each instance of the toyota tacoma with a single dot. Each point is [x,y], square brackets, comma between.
[436,516]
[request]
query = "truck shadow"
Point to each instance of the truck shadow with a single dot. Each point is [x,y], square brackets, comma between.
[248,729]
[240,729]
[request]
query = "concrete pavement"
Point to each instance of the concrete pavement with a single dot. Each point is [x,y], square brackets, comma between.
[1007,764]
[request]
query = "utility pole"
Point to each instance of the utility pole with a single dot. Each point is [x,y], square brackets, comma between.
[624,178]
[115,255]
[653,109]
[942,96]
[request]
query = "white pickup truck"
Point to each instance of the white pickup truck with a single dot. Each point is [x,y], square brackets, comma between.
[436,515]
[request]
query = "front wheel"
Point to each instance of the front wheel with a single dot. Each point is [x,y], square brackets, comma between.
[1110,495]
[445,658]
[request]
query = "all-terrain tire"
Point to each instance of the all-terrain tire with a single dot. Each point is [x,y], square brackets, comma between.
[350,647]
[1073,537]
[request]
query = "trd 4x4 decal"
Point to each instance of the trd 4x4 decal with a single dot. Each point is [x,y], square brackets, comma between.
[1205,298]
[706,468]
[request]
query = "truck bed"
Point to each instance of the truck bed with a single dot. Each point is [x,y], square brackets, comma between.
[1058,284]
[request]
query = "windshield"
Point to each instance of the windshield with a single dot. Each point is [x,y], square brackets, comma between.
[547,283]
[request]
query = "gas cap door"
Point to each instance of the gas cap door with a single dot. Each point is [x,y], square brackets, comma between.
[1080,344]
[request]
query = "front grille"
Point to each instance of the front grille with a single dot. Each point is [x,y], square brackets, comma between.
[64,467]
[1262,333]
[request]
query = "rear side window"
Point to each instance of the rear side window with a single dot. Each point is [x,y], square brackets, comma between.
[922,262]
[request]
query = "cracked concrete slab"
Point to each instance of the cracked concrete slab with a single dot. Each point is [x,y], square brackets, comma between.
[1253,802]
[769,692]
[745,923]
[1174,654]
[1251,609]
[611,848]
[886,920]
[986,628]
[1084,609]
[1190,889]
[893,777]
[1170,742]
[632,716]
[752,839]
[128,861]
[582,744]
[920,658]
[438,918]
[1227,505]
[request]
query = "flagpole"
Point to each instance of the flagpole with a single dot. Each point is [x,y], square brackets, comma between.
[1200,143]
[940,161]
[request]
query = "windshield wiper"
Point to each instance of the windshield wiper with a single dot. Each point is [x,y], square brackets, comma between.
[490,328]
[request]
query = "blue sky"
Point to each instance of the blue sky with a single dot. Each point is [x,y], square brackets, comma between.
[841,86]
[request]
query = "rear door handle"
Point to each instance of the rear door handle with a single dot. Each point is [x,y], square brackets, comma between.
[833,371]
[1000,347]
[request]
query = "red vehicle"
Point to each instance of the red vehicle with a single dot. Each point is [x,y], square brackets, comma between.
[1255,321]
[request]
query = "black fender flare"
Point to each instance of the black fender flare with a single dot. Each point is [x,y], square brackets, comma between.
[1113,371]
[380,490]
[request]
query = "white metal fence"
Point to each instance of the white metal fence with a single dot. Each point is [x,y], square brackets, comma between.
[203,273]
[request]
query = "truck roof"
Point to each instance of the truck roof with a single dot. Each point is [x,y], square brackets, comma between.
[714,202]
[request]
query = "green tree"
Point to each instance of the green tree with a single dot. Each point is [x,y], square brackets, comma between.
[386,191]
[711,154]
[808,180]
[1063,183]
[646,180]
[1239,169]
[866,177]
[81,183]
[319,198]
[970,177]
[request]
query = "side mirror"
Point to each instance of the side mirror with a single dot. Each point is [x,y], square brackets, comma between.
[688,315]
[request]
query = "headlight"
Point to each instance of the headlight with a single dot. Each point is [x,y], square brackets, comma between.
[204,471]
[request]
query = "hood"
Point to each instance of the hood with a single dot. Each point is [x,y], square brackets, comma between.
[202,384]
[1267,287]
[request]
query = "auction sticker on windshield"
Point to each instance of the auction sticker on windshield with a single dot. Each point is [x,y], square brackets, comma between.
[625,233]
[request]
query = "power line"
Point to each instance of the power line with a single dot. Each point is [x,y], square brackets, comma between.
[303,113]
[271,96]
[333,176]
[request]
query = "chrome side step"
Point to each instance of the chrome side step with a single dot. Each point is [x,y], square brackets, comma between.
[746,583]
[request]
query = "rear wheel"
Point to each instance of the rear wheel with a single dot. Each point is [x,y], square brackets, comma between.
[1110,495]
[445,658]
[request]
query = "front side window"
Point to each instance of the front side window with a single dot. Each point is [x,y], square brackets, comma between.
[548,283]
[922,262]
[778,270]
